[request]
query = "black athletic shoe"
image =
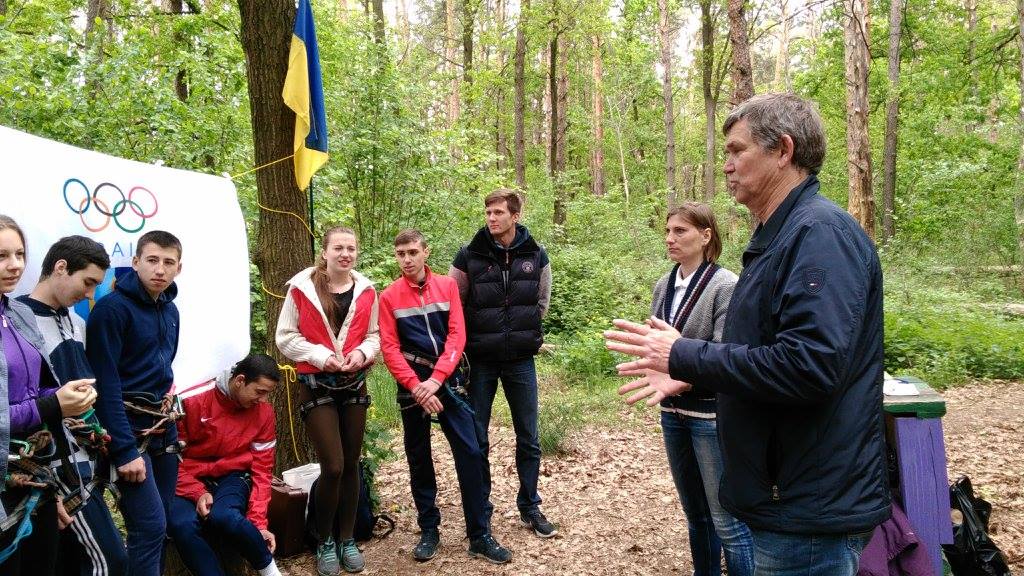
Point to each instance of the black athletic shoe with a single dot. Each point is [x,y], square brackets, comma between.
[487,547]
[430,541]
[535,520]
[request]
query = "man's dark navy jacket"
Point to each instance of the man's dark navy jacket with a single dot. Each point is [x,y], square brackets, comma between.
[799,374]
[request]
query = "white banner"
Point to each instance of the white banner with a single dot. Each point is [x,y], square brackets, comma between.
[56,190]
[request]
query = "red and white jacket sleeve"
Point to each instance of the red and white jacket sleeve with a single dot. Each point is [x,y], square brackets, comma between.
[456,340]
[262,467]
[390,346]
[292,343]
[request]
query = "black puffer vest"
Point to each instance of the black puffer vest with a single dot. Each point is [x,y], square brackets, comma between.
[503,319]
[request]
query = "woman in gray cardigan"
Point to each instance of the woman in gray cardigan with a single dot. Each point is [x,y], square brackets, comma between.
[694,297]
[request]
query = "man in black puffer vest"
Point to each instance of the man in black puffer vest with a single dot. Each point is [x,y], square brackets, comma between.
[504,280]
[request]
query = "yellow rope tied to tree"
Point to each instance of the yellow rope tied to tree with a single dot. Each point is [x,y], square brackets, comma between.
[271,163]
[290,375]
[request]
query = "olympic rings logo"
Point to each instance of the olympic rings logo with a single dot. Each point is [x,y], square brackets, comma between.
[123,212]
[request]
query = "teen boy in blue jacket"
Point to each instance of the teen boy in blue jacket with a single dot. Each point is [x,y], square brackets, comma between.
[132,336]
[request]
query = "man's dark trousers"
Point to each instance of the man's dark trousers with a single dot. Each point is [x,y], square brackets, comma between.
[519,381]
[226,521]
[459,428]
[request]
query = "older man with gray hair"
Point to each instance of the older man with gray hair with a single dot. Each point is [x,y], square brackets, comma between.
[798,373]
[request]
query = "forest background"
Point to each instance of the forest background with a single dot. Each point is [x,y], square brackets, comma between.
[603,112]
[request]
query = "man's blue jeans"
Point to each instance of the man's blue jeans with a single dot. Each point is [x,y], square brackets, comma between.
[695,460]
[144,507]
[519,380]
[780,554]
[226,522]
[459,428]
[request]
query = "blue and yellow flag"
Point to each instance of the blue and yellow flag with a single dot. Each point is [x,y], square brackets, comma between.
[304,93]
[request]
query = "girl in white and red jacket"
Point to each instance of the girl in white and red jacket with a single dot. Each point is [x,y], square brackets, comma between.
[328,327]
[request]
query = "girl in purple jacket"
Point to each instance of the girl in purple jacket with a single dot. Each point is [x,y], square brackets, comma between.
[30,397]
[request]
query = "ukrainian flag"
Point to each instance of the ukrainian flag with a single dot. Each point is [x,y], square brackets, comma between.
[304,93]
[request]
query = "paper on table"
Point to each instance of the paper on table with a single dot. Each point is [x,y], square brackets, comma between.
[895,387]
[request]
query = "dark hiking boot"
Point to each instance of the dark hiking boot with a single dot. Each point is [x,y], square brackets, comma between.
[487,547]
[535,520]
[430,541]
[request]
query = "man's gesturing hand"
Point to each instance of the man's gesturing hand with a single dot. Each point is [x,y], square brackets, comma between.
[650,342]
[652,385]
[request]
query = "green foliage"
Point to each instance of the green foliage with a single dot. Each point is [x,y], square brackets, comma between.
[556,424]
[948,337]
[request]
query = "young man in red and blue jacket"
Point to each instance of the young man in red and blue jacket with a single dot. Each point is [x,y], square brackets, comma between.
[422,334]
[225,472]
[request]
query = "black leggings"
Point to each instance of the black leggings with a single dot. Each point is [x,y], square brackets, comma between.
[336,431]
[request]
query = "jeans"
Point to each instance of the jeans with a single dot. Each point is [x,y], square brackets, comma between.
[226,522]
[695,460]
[459,428]
[780,554]
[519,381]
[144,506]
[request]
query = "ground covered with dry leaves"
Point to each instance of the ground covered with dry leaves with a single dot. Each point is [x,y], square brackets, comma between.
[616,506]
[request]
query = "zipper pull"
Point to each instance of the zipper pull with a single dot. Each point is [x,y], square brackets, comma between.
[5,320]
[775,493]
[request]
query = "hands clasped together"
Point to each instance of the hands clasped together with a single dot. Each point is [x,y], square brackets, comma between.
[651,342]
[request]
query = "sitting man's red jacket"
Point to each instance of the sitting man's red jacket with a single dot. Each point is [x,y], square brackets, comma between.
[222,437]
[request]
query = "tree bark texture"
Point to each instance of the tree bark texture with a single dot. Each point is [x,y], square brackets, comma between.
[742,71]
[861,201]
[469,9]
[560,103]
[450,50]
[378,21]
[519,85]
[282,242]
[666,32]
[597,185]
[501,137]
[707,33]
[3,7]
[892,111]
[782,81]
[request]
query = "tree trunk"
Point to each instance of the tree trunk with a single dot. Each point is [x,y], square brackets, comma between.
[449,55]
[861,202]
[403,22]
[742,77]
[1018,201]
[782,82]
[553,109]
[469,9]
[282,242]
[892,111]
[707,33]
[501,138]
[560,122]
[519,82]
[666,31]
[597,186]
[3,7]
[181,78]
[378,21]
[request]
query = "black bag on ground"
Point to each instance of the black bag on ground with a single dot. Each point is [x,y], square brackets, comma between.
[368,524]
[972,553]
